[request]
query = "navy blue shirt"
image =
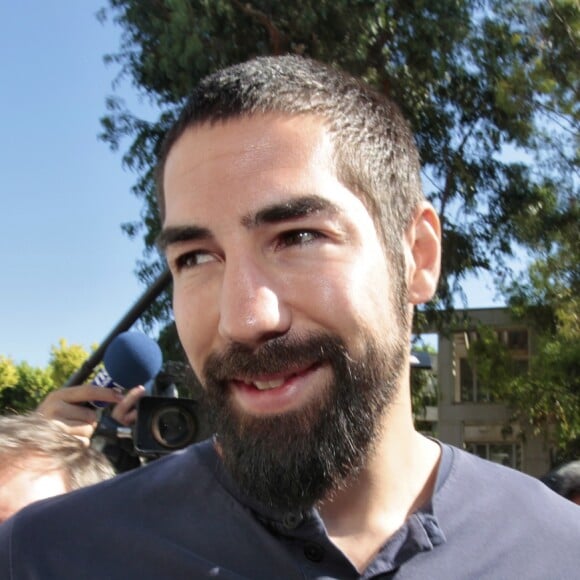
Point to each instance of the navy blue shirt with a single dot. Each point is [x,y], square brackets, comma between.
[183,517]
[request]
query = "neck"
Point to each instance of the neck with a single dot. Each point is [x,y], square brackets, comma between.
[398,479]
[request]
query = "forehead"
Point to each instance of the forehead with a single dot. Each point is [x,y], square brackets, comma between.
[260,135]
[28,481]
[259,153]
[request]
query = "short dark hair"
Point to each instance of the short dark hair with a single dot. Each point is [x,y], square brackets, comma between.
[565,479]
[30,436]
[375,152]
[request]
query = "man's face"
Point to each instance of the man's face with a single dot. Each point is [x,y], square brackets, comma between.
[28,481]
[280,286]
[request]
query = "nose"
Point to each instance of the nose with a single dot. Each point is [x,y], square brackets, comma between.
[252,309]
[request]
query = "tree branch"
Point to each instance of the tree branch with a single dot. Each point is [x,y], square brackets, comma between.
[277,39]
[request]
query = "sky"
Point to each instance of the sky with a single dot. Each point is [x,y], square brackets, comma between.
[68,270]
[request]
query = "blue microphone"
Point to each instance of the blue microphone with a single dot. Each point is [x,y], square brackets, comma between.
[131,359]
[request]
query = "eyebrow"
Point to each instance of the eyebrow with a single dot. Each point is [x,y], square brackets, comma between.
[176,234]
[292,209]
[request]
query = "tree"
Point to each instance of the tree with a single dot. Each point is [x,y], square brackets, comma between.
[549,297]
[65,360]
[23,386]
[489,86]
[546,298]
[424,391]
[8,372]
[31,386]
[473,77]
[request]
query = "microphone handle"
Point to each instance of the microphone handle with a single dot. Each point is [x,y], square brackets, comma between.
[81,375]
[111,429]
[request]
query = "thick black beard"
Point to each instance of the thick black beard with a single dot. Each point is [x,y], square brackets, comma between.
[292,461]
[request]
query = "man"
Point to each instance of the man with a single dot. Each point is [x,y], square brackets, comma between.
[565,480]
[299,242]
[38,460]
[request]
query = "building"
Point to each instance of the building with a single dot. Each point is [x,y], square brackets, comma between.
[467,415]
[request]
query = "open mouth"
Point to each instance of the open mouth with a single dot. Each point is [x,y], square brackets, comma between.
[267,385]
[276,382]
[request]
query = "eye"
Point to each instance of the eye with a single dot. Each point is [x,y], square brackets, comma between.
[190,260]
[298,238]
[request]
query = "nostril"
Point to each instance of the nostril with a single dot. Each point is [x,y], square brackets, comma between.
[251,311]
[272,335]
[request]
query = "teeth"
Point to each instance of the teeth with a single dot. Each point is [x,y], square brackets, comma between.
[266,385]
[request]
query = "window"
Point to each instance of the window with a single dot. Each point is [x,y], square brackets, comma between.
[468,386]
[471,390]
[509,454]
[515,340]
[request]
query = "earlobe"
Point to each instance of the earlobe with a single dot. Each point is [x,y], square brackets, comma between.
[424,254]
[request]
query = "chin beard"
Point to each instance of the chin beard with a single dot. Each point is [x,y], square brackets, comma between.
[293,460]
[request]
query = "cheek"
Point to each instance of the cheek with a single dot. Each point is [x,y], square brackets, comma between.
[194,318]
[369,297]
[350,296]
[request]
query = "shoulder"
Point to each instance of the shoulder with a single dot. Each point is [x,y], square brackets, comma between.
[497,523]
[489,494]
[184,476]
[470,473]
[175,518]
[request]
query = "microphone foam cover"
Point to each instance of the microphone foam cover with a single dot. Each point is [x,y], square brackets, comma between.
[132,359]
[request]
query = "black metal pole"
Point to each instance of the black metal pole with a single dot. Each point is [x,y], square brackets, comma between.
[150,295]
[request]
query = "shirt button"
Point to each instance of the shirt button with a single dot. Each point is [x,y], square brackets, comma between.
[292,520]
[314,552]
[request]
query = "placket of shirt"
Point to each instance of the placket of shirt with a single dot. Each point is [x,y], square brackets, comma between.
[420,533]
[305,538]
[317,557]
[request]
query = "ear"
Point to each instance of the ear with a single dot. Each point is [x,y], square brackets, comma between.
[423,240]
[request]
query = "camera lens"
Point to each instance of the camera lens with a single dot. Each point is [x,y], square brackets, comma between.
[173,427]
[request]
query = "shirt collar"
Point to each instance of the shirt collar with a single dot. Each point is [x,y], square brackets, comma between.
[421,532]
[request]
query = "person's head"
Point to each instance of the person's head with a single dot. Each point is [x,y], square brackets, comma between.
[299,240]
[565,480]
[39,460]
[373,149]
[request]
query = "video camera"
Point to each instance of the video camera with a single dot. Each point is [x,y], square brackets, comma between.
[165,421]
[165,425]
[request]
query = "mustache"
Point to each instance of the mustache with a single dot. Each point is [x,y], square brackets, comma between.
[277,355]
